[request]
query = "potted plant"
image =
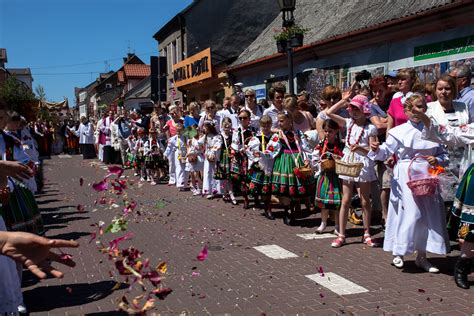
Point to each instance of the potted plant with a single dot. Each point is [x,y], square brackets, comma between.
[296,35]
[282,40]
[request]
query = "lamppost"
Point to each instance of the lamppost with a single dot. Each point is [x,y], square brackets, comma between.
[292,38]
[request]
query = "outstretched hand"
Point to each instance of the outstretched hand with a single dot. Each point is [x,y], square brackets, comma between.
[15,169]
[34,252]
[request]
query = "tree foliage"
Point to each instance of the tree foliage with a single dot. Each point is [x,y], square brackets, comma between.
[16,94]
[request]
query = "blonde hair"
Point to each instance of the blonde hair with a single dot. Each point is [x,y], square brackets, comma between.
[408,105]
[416,85]
[290,103]
[192,106]
[265,119]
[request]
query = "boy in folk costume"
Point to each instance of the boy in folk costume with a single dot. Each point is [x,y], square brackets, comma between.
[139,151]
[177,151]
[260,166]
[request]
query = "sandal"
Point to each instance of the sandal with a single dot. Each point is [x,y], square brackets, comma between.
[338,242]
[366,239]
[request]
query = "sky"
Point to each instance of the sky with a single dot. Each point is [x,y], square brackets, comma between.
[51,37]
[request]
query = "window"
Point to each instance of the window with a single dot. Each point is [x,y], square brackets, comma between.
[82,96]
[108,86]
[174,52]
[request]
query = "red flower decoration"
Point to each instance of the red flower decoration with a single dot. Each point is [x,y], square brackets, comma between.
[292,190]
[271,148]
[275,139]
[302,189]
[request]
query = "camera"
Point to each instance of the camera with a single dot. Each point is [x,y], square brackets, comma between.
[363,75]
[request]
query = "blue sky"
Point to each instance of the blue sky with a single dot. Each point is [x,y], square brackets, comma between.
[45,34]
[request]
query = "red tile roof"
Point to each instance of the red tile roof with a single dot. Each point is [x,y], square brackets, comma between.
[121,77]
[137,70]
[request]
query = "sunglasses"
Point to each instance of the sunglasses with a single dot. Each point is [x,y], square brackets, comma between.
[250,96]
[243,118]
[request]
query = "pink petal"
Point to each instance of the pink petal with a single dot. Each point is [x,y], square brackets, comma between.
[114,243]
[203,254]
[100,186]
[116,170]
[65,257]
[93,236]
[162,293]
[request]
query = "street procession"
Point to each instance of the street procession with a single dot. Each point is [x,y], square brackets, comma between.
[278,157]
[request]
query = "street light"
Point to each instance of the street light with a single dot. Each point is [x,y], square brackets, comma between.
[293,40]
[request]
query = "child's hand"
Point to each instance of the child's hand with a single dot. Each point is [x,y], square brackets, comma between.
[354,147]
[432,160]
[374,146]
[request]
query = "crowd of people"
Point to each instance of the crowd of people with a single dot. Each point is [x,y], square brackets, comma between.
[388,144]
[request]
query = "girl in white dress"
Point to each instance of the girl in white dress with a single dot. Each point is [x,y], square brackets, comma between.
[212,143]
[360,134]
[195,163]
[414,223]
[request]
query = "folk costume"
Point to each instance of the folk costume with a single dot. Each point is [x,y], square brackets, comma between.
[239,164]
[260,166]
[195,156]
[289,149]
[328,185]
[20,210]
[359,135]
[139,151]
[223,163]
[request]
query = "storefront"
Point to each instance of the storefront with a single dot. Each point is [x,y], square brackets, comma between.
[199,80]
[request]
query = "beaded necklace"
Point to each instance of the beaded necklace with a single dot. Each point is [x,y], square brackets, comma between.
[349,132]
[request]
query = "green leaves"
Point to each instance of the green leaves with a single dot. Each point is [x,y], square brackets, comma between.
[117,225]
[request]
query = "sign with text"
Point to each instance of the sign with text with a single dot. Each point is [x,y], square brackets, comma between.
[193,69]
[452,47]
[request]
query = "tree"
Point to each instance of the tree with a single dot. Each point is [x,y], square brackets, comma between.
[41,95]
[16,94]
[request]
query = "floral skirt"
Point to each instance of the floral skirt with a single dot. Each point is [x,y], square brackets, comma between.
[238,168]
[223,166]
[461,220]
[328,190]
[259,181]
[285,182]
[21,212]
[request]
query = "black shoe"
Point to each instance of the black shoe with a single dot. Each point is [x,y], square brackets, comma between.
[461,270]
[287,218]
[268,214]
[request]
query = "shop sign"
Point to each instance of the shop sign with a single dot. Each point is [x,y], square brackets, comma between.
[193,69]
[446,48]
[260,94]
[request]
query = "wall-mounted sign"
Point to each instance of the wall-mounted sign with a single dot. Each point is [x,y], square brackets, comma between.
[440,49]
[193,69]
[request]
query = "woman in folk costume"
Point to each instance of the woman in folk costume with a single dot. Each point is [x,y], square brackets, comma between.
[139,151]
[176,151]
[414,223]
[461,219]
[360,133]
[239,160]
[212,143]
[105,142]
[289,148]
[222,172]
[328,185]
[85,132]
[260,166]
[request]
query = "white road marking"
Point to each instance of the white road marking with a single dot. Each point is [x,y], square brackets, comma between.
[64,156]
[316,236]
[337,283]
[275,252]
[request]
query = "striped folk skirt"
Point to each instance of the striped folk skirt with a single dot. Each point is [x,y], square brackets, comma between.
[328,190]
[461,220]
[284,181]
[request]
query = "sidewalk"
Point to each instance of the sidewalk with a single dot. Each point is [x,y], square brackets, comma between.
[254,265]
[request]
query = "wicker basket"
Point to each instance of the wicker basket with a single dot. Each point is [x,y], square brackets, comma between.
[421,187]
[350,168]
[329,164]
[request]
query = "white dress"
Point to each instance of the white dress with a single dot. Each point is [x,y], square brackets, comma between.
[367,173]
[194,148]
[413,223]
[212,146]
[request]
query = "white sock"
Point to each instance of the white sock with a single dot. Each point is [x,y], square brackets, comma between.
[322,227]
